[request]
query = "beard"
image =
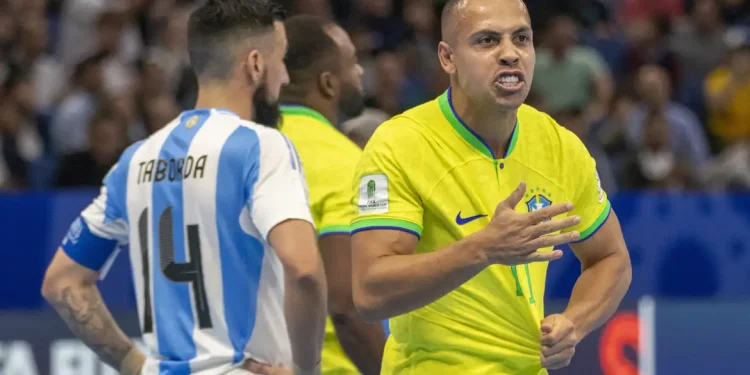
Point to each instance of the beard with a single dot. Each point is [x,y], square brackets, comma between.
[265,111]
[352,102]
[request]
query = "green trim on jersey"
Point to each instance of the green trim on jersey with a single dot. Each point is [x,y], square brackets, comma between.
[597,223]
[386,223]
[467,134]
[334,229]
[300,110]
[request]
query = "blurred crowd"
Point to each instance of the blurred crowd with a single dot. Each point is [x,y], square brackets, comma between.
[658,90]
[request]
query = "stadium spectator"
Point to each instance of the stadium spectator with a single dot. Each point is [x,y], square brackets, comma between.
[78,29]
[20,142]
[70,123]
[107,139]
[48,74]
[649,45]
[391,83]
[686,135]
[656,165]
[361,128]
[699,43]
[125,105]
[139,48]
[608,40]
[159,110]
[567,76]
[728,93]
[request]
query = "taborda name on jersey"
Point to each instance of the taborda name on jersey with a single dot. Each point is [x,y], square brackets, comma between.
[158,170]
[373,194]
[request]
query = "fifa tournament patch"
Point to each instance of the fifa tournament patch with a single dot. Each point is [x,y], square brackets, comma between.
[599,187]
[373,194]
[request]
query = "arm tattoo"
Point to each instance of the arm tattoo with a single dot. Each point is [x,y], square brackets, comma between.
[84,311]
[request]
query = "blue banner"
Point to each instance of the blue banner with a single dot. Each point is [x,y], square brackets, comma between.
[682,245]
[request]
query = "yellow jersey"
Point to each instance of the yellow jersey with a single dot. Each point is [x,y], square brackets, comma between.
[329,159]
[425,172]
[731,125]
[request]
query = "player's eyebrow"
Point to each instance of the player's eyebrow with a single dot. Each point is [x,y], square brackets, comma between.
[523,29]
[498,35]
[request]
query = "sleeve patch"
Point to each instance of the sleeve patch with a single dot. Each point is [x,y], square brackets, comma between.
[599,187]
[373,194]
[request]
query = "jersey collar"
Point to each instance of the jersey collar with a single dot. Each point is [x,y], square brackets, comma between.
[300,110]
[446,106]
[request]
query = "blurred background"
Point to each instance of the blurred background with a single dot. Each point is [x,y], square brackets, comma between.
[659,90]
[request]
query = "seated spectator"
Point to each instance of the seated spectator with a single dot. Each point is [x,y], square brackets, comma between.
[158,110]
[569,77]
[48,74]
[655,164]
[686,134]
[361,128]
[608,40]
[649,45]
[699,44]
[728,93]
[69,127]
[20,143]
[107,139]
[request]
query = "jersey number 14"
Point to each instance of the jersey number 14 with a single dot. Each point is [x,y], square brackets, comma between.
[190,272]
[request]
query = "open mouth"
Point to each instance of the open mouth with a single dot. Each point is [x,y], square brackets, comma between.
[510,81]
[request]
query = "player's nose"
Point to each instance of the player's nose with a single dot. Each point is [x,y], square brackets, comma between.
[509,55]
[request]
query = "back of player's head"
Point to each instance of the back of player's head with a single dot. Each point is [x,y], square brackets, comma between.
[311,51]
[220,27]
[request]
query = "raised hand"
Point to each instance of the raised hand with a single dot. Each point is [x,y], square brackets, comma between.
[513,238]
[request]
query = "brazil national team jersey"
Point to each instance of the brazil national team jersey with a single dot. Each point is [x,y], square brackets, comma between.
[193,205]
[330,159]
[426,173]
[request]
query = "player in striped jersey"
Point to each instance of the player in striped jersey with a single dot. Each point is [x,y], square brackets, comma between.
[214,213]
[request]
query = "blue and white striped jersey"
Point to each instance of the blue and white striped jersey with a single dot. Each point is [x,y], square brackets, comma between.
[194,204]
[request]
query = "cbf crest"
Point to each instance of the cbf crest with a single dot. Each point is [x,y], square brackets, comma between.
[537,199]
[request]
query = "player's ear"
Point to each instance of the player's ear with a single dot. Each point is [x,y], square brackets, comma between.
[254,67]
[445,54]
[328,84]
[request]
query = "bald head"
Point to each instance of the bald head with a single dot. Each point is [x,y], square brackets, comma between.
[453,14]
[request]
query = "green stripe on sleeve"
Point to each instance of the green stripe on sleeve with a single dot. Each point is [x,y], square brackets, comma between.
[378,223]
[334,229]
[597,223]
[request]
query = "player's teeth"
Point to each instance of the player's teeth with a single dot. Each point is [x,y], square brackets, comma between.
[509,79]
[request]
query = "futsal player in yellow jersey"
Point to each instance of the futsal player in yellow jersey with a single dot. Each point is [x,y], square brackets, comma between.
[460,202]
[325,79]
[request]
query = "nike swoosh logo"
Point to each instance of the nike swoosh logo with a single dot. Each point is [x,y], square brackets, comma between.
[465,220]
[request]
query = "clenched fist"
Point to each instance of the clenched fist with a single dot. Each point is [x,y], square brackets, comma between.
[559,340]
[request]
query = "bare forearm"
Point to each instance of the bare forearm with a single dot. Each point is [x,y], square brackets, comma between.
[305,311]
[362,342]
[84,311]
[394,285]
[598,292]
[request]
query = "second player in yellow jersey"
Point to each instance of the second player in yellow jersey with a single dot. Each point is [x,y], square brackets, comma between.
[325,79]
[460,203]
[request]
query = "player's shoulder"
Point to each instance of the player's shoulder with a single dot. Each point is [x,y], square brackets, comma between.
[543,136]
[260,135]
[408,129]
